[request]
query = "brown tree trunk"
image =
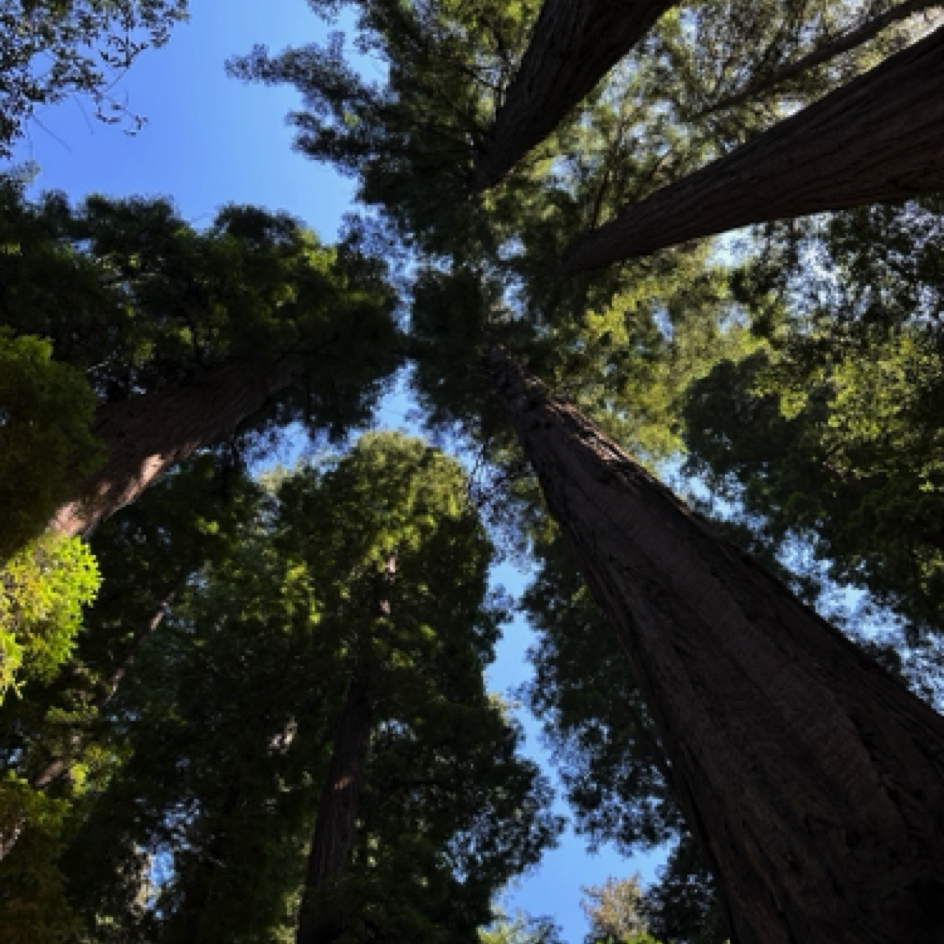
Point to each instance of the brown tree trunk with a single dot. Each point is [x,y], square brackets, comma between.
[573,45]
[828,50]
[816,778]
[145,435]
[335,824]
[879,138]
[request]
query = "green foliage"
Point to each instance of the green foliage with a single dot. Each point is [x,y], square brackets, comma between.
[131,278]
[52,50]
[592,713]
[45,411]
[623,344]
[447,65]
[832,434]
[227,721]
[613,910]
[207,763]
[57,751]
[32,901]
[684,905]
[521,928]
[717,61]
[43,588]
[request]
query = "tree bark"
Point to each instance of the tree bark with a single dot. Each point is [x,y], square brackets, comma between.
[816,778]
[335,823]
[879,138]
[823,53]
[573,45]
[337,809]
[145,435]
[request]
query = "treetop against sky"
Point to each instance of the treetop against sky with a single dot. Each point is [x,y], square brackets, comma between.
[411,127]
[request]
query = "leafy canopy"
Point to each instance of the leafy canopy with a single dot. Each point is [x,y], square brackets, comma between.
[52,49]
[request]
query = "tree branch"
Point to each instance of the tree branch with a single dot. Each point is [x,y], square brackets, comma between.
[856,37]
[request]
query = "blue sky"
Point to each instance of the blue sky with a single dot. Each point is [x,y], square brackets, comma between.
[211,140]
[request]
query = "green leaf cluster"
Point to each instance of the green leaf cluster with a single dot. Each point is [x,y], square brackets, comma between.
[45,443]
[165,301]
[43,588]
[831,433]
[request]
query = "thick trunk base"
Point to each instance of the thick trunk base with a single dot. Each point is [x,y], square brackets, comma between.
[816,778]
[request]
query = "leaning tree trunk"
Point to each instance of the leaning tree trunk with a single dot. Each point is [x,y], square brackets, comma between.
[145,435]
[879,138]
[573,45]
[816,778]
[335,823]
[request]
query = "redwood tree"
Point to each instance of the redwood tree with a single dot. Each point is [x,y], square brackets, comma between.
[233,710]
[400,568]
[336,820]
[573,46]
[147,434]
[187,337]
[879,138]
[813,775]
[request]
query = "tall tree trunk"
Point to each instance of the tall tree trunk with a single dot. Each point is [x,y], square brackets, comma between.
[573,45]
[335,823]
[337,810]
[816,778]
[145,435]
[879,138]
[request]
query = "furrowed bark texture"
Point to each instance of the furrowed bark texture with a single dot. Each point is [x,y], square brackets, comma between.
[145,435]
[573,45]
[335,823]
[816,778]
[879,138]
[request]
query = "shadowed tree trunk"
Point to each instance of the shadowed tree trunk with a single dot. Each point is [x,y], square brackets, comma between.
[335,823]
[879,138]
[146,435]
[573,45]
[816,778]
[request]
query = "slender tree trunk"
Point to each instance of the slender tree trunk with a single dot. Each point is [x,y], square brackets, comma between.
[140,637]
[879,138]
[816,778]
[59,766]
[825,52]
[145,435]
[573,45]
[337,809]
[335,823]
